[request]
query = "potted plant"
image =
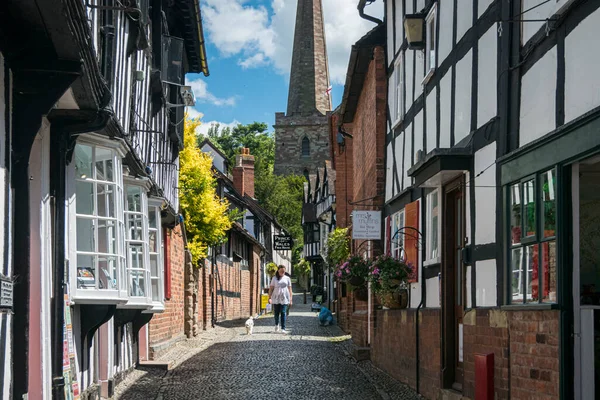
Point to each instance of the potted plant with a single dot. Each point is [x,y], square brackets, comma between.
[354,271]
[271,269]
[389,277]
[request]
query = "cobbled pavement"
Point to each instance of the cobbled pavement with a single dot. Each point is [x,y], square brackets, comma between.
[310,362]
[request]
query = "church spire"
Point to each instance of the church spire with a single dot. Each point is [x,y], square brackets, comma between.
[309,77]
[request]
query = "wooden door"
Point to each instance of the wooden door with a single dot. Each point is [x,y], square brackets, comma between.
[453,285]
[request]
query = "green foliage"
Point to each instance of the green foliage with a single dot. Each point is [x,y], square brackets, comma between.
[207,217]
[388,274]
[354,267]
[271,269]
[338,246]
[302,268]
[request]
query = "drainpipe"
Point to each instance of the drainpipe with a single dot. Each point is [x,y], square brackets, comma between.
[361,12]
[417,340]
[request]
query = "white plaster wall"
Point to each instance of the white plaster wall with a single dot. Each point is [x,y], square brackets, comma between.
[408,68]
[419,72]
[542,12]
[418,122]
[409,8]
[468,230]
[218,161]
[485,195]
[468,286]
[445,110]
[482,6]
[462,110]
[390,32]
[391,101]
[399,161]
[446,21]
[485,289]
[408,150]
[487,65]
[582,58]
[432,289]
[389,163]
[538,99]
[420,5]
[431,120]
[399,25]
[464,18]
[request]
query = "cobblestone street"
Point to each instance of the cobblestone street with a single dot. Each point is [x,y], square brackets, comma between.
[310,362]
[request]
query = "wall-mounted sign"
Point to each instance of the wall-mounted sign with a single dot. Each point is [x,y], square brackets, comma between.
[6,293]
[366,225]
[283,242]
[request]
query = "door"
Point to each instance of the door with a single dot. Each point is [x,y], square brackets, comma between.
[586,278]
[453,281]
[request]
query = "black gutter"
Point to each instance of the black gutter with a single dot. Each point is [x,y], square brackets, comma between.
[361,12]
[62,134]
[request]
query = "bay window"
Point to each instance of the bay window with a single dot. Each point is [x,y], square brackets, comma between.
[155,250]
[532,239]
[96,223]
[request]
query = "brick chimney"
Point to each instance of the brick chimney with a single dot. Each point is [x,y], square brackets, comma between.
[243,173]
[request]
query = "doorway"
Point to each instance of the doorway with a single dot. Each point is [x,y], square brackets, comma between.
[453,281]
[586,277]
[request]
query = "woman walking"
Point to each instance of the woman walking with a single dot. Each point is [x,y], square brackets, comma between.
[280,295]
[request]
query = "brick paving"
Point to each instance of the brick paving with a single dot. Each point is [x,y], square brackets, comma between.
[310,362]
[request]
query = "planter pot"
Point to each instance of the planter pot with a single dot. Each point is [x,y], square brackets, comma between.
[361,293]
[394,300]
[356,281]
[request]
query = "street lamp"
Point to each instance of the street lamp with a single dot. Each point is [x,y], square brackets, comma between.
[414,26]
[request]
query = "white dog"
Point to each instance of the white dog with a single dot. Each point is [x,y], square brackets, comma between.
[249,325]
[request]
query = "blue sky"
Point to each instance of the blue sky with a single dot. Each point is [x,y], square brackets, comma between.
[249,54]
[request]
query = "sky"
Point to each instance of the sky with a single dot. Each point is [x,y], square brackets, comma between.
[249,50]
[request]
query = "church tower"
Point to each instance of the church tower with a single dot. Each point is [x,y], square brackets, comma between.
[302,134]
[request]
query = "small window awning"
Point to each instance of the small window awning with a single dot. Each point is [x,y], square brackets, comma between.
[441,166]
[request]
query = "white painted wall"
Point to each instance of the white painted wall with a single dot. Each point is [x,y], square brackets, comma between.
[399,25]
[485,289]
[431,120]
[582,82]
[218,161]
[399,161]
[432,289]
[542,12]
[464,18]
[482,6]
[468,286]
[418,122]
[419,72]
[445,110]
[446,21]
[389,163]
[468,230]
[390,32]
[485,195]
[462,110]
[408,67]
[487,64]
[538,99]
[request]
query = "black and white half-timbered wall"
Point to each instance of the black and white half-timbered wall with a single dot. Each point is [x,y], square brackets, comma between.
[492,135]
[92,111]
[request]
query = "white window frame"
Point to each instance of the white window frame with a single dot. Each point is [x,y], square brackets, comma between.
[154,206]
[397,243]
[433,256]
[430,42]
[398,95]
[141,215]
[96,295]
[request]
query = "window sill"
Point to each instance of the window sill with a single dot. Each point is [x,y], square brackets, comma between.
[98,297]
[136,304]
[156,308]
[431,262]
[427,77]
[530,307]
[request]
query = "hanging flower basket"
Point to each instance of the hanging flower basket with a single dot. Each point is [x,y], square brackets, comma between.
[397,299]
[361,293]
[356,281]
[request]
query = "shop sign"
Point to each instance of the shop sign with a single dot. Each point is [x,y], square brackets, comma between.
[366,225]
[282,242]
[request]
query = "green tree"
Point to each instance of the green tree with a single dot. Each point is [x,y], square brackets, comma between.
[207,217]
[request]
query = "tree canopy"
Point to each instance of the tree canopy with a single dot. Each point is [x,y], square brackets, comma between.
[207,217]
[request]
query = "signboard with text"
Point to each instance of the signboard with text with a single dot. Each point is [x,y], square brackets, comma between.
[366,225]
[283,242]
[6,293]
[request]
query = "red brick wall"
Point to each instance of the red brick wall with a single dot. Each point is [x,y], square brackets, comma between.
[343,164]
[168,325]
[534,354]
[430,348]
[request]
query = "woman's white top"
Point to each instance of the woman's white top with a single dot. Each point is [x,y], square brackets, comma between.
[281,291]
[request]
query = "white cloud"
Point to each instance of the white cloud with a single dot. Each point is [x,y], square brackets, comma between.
[205,126]
[256,38]
[204,96]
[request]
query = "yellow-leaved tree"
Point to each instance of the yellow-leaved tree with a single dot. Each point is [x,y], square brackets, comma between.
[207,217]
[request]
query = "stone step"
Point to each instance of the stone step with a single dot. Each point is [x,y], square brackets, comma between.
[449,394]
[154,364]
